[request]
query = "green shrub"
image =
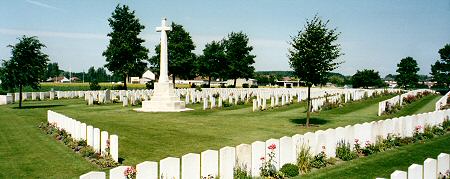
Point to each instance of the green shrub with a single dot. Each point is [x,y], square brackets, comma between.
[304,159]
[344,152]
[93,85]
[105,162]
[254,86]
[82,143]
[446,124]
[438,130]
[320,160]
[117,87]
[289,170]
[198,88]
[245,85]
[241,173]
[87,151]
[226,104]
[428,132]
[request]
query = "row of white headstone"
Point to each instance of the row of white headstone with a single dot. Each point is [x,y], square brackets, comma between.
[430,169]
[443,101]
[94,137]
[385,105]
[222,162]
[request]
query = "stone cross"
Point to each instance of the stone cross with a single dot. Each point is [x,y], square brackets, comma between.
[163,68]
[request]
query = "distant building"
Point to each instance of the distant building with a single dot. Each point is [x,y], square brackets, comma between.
[241,81]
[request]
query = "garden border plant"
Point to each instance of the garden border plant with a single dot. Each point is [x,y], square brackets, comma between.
[80,146]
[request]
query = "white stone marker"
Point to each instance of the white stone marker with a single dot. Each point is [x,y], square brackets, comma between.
[399,175]
[415,171]
[287,152]
[297,142]
[169,168]
[276,151]
[147,170]
[104,136]
[190,166]
[83,131]
[97,140]
[443,162]
[114,147]
[331,142]
[321,142]
[310,139]
[429,168]
[244,157]
[90,135]
[210,163]
[118,172]
[125,101]
[258,152]
[227,162]
[94,175]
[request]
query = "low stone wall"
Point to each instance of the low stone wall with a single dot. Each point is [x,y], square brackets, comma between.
[81,131]
[431,168]
[223,161]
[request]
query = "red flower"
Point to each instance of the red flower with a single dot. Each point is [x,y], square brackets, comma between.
[262,158]
[356,140]
[272,147]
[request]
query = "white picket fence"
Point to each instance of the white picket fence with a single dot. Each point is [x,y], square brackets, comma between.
[398,100]
[431,169]
[81,131]
[442,101]
[222,162]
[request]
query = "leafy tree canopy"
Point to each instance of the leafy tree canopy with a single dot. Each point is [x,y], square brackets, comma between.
[367,78]
[238,55]
[440,70]
[407,73]
[125,52]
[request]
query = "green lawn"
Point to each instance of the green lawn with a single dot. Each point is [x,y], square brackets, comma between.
[384,163]
[26,152]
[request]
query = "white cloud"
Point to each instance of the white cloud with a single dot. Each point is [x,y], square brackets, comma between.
[47,6]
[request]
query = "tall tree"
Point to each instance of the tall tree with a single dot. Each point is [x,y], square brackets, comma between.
[366,78]
[313,55]
[26,67]
[52,70]
[212,63]
[240,61]
[181,58]
[407,73]
[440,70]
[125,52]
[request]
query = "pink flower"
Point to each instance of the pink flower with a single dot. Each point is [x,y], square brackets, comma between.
[356,140]
[272,147]
[418,127]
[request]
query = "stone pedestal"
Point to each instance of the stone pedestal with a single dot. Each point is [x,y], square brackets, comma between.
[163,100]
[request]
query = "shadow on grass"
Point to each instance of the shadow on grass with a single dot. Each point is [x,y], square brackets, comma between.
[38,106]
[313,121]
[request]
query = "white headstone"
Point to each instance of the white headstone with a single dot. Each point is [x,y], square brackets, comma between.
[430,168]
[147,170]
[104,137]
[210,163]
[415,171]
[114,147]
[244,156]
[258,153]
[97,140]
[321,142]
[83,131]
[227,162]
[287,152]
[443,162]
[90,136]
[169,168]
[331,142]
[310,139]
[190,166]
[94,175]
[399,175]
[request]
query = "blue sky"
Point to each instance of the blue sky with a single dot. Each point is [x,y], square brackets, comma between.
[374,34]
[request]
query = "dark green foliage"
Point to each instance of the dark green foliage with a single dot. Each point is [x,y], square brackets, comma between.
[125,52]
[441,68]
[304,159]
[182,61]
[241,173]
[319,161]
[407,73]
[344,152]
[245,85]
[289,170]
[26,67]
[238,58]
[266,79]
[98,75]
[150,85]
[52,71]
[313,54]
[93,85]
[212,62]
[367,78]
